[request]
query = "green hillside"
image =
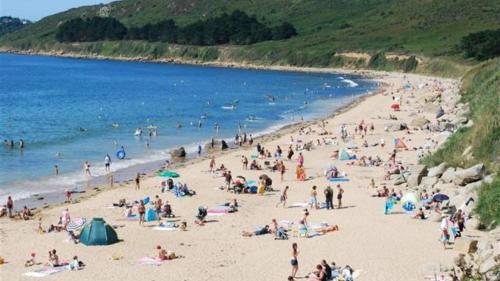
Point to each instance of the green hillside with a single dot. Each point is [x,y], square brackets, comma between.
[423,27]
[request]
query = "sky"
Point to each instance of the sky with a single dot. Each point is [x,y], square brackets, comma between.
[36,9]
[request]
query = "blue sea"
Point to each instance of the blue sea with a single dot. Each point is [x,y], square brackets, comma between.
[64,110]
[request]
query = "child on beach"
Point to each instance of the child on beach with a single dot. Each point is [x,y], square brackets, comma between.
[283,197]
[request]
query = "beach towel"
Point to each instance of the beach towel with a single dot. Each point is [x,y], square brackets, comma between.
[166,226]
[169,174]
[338,179]
[150,261]
[47,270]
[298,205]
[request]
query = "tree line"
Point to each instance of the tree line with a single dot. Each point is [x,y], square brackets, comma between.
[236,28]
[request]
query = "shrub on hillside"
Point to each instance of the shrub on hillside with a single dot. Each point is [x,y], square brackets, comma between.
[488,207]
[481,45]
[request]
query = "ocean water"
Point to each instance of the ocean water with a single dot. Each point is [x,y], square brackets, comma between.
[64,109]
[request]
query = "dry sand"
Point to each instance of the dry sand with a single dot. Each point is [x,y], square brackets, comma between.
[383,247]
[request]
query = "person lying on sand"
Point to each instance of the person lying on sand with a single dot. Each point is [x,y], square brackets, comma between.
[326,229]
[262,231]
[55,228]
[121,203]
[164,255]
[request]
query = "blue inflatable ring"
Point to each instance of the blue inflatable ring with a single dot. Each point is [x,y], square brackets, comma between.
[120,154]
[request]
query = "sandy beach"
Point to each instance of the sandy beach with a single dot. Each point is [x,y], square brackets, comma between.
[377,246]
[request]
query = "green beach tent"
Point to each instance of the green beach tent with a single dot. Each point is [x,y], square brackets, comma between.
[98,232]
[344,155]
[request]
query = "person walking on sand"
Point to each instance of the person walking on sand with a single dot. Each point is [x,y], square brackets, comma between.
[340,192]
[10,206]
[283,197]
[329,197]
[212,164]
[142,211]
[107,162]
[229,180]
[301,159]
[138,181]
[282,169]
[294,261]
[86,168]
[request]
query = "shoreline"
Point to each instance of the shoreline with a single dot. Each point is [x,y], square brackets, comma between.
[49,200]
[179,61]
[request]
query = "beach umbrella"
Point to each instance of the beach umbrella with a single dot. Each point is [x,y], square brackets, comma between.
[75,224]
[440,197]
[409,197]
[409,201]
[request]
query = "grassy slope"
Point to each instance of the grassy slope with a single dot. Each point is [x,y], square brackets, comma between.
[426,27]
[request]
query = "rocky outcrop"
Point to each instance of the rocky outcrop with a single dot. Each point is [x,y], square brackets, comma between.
[478,258]
[417,172]
[469,175]
[179,153]
[437,171]
[419,122]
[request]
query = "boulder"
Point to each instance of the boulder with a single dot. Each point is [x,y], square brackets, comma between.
[473,223]
[472,187]
[437,171]
[428,182]
[448,175]
[469,124]
[400,179]
[419,122]
[469,175]
[488,265]
[466,245]
[416,174]
[179,153]
[432,108]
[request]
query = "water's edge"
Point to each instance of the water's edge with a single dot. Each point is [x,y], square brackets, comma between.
[124,176]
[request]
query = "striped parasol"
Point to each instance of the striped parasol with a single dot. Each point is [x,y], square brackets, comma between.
[75,224]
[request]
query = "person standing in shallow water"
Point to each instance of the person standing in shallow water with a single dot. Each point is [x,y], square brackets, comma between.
[10,206]
[56,170]
[86,168]
[107,162]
